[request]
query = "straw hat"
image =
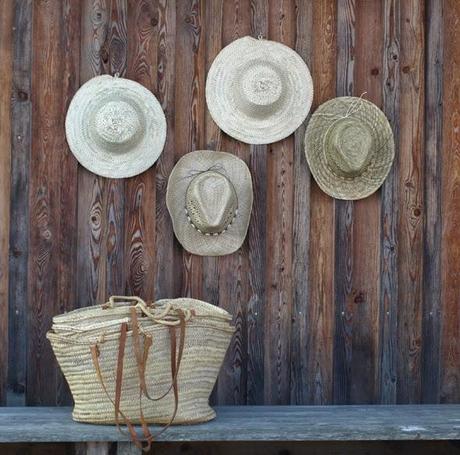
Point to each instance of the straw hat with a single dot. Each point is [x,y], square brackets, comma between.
[115,127]
[209,198]
[258,91]
[349,147]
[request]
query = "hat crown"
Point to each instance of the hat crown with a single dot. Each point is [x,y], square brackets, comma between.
[261,85]
[349,147]
[117,122]
[211,202]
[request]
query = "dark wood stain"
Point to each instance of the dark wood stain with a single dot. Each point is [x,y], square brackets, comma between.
[334,301]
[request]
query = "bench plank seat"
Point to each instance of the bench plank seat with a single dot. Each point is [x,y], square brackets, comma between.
[252,423]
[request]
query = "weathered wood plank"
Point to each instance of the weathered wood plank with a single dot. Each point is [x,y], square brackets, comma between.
[67,216]
[411,203]
[140,197]
[257,244]
[253,423]
[167,283]
[389,212]
[431,328]
[364,297]
[189,114]
[21,116]
[52,206]
[280,198]
[233,276]
[6,57]
[450,297]
[301,230]
[91,209]
[343,213]
[320,274]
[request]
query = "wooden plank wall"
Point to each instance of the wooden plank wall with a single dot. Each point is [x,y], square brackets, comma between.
[334,301]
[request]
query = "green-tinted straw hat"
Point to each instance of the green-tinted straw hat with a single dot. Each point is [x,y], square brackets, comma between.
[349,147]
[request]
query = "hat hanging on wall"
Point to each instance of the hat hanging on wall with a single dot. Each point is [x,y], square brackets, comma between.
[258,91]
[349,147]
[209,198]
[115,127]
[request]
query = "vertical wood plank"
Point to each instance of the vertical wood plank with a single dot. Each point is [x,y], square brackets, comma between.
[450,343]
[343,211]
[411,209]
[91,208]
[366,218]
[257,245]
[189,114]
[6,57]
[167,283]
[301,228]
[320,307]
[52,206]
[431,335]
[280,158]
[233,276]
[389,213]
[140,194]
[21,116]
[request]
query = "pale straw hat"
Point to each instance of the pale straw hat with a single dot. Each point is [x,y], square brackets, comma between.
[258,91]
[209,198]
[349,147]
[115,127]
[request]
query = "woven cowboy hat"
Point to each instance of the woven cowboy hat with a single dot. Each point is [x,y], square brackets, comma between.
[209,198]
[258,91]
[349,147]
[115,127]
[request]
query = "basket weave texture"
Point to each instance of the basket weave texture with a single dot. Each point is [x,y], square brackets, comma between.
[186,335]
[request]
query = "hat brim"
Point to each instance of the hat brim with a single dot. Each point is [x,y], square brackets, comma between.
[221,100]
[373,176]
[238,173]
[101,160]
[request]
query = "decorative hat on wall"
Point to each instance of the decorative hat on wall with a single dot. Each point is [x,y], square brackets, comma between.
[209,198]
[349,147]
[258,91]
[115,127]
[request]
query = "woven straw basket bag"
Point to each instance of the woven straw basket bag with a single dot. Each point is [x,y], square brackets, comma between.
[130,362]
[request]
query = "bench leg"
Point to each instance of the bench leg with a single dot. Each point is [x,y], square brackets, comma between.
[92,448]
[127,448]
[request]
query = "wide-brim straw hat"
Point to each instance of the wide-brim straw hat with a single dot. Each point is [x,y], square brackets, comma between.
[115,127]
[209,198]
[349,147]
[258,91]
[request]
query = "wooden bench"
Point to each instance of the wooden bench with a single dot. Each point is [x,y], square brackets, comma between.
[246,423]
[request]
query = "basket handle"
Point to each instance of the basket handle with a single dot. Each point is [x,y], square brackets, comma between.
[122,299]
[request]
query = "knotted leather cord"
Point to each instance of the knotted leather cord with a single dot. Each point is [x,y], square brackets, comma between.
[141,362]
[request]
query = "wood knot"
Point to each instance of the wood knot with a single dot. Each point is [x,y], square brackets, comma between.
[405,69]
[154,21]
[359,298]
[374,71]
[22,95]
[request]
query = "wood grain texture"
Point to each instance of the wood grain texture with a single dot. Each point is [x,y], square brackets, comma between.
[140,191]
[257,245]
[431,323]
[343,213]
[280,199]
[320,273]
[233,280]
[411,208]
[52,207]
[189,114]
[21,138]
[253,423]
[6,57]
[388,311]
[450,297]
